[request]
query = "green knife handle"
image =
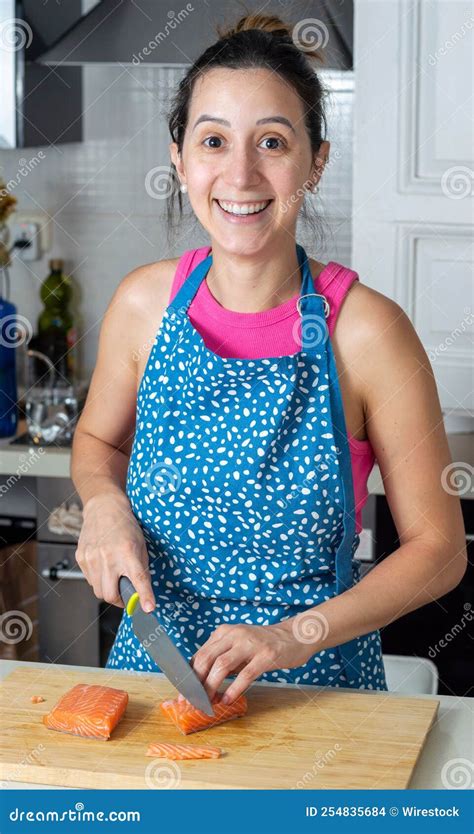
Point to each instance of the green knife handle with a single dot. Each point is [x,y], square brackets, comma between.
[128,594]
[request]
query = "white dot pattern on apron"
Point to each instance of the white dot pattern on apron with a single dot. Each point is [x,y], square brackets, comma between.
[240,479]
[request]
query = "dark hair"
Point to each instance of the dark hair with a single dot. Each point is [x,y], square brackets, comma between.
[256,41]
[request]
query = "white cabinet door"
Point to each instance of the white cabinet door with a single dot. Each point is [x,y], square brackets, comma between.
[413,174]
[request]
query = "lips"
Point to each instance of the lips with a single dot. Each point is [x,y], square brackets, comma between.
[256,207]
[247,217]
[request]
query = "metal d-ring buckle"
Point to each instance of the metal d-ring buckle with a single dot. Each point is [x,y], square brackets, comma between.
[327,308]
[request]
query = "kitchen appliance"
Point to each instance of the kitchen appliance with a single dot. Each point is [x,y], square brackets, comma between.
[39,107]
[126,32]
[74,626]
[292,737]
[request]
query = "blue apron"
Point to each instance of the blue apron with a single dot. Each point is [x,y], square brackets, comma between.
[240,478]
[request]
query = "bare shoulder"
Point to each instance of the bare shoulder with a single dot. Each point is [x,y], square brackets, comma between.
[369,320]
[147,288]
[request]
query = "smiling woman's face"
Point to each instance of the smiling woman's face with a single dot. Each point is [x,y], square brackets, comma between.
[246,143]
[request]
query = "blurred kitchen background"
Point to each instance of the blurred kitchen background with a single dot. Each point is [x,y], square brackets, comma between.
[83,167]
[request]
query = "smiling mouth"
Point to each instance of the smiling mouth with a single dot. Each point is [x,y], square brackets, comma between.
[243,209]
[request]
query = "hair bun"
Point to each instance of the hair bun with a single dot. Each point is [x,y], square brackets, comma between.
[264,22]
[275,26]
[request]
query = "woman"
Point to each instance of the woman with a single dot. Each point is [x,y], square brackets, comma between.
[236,508]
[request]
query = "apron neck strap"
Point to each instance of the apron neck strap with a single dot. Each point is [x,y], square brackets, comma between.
[309,304]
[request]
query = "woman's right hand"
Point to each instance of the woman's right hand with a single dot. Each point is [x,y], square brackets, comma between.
[111,545]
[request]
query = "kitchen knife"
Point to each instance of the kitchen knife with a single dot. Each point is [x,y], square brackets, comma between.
[162,650]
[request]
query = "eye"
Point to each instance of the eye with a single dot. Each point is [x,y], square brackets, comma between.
[213,138]
[274,139]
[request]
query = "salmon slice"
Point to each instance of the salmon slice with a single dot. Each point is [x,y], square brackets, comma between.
[88,710]
[163,750]
[188,719]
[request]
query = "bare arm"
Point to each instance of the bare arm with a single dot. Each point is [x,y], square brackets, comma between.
[406,430]
[111,541]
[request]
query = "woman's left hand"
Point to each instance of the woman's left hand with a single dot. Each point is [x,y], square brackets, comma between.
[248,650]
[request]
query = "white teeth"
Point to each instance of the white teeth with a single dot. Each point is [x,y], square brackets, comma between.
[245,208]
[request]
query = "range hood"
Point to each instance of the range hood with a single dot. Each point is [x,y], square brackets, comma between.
[147,32]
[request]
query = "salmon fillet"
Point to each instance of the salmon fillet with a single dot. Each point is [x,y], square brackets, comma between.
[188,719]
[88,710]
[163,750]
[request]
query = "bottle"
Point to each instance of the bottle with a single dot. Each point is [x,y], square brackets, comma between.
[8,388]
[56,330]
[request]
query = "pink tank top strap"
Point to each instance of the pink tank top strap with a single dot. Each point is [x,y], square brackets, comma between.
[187,262]
[334,283]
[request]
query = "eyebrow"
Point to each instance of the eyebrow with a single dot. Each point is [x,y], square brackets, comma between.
[280,119]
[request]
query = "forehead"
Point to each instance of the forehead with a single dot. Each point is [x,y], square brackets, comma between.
[242,96]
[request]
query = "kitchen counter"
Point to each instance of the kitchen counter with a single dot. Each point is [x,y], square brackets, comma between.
[449,739]
[54,462]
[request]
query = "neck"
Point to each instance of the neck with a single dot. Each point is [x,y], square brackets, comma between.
[252,284]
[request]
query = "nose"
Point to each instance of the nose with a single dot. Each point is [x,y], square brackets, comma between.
[242,168]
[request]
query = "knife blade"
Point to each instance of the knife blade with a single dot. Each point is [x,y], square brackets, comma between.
[153,636]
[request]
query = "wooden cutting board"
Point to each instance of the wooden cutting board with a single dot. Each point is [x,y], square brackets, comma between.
[291,737]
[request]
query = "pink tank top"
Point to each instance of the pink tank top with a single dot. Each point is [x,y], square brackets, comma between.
[271,333]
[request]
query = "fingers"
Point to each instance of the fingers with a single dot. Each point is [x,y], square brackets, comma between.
[140,577]
[248,675]
[205,657]
[224,665]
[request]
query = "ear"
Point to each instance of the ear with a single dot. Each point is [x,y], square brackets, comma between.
[320,161]
[176,160]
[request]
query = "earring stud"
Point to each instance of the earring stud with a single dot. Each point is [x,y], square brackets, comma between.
[183,187]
